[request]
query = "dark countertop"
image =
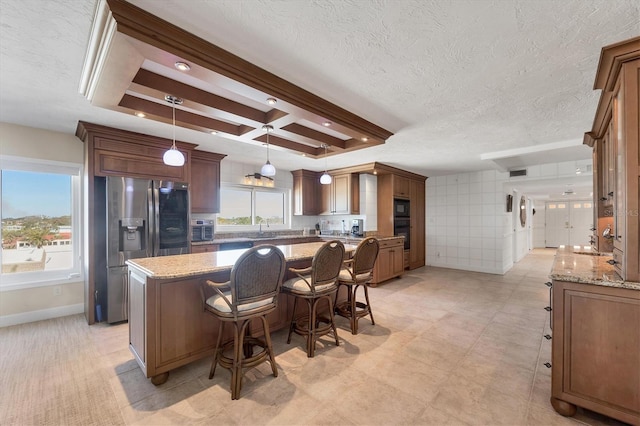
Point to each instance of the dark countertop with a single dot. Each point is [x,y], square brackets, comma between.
[579,264]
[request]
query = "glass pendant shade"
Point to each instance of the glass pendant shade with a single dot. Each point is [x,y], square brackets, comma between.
[268,169]
[325,179]
[173,157]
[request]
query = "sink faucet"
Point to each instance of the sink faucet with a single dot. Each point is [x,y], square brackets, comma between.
[260,227]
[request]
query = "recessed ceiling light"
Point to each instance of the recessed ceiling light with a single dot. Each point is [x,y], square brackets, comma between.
[140,114]
[326,124]
[182,66]
[213,132]
[272,101]
[304,155]
[364,139]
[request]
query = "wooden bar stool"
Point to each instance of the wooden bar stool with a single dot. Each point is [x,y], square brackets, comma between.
[314,284]
[252,292]
[358,272]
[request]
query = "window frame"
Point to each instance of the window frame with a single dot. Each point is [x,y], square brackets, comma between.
[256,226]
[24,280]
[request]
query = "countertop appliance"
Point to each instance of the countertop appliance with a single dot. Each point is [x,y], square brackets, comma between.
[201,230]
[143,218]
[402,221]
[357,227]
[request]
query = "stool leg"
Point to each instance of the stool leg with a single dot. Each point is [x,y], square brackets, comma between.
[366,296]
[237,354]
[311,336]
[218,350]
[267,339]
[352,308]
[333,323]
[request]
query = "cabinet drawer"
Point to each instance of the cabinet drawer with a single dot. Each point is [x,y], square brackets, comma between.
[390,243]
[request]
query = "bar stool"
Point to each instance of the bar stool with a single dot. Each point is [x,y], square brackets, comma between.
[252,292]
[314,284]
[358,272]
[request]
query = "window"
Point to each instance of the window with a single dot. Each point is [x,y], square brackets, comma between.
[40,222]
[244,208]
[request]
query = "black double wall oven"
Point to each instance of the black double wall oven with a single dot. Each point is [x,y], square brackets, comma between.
[402,221]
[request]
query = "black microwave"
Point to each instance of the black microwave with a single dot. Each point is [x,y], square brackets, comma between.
[400,208]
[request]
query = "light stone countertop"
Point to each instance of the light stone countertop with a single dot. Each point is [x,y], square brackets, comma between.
[324,237]
[185,265]
[579,264]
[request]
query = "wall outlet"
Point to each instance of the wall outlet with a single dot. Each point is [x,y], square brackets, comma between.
[57,291]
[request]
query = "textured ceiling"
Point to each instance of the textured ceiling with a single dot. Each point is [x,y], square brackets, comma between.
[453,80]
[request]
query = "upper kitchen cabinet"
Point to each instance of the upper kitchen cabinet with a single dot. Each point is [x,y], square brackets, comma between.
[205,182]
[342,196]
[306,186]
[401,186]
[115,152]
[614,136]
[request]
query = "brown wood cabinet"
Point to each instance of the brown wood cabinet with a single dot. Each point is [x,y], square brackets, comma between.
[306,190]
[615,137]
[342,196]
[204,248]
[205,182]
[596,350]
[401,187]
[390,180]
[390,262]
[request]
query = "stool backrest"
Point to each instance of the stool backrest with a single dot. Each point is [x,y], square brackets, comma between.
[327,262]
[365,256]
[257,274]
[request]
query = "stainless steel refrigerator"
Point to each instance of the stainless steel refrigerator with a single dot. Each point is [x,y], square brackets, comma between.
[144,218]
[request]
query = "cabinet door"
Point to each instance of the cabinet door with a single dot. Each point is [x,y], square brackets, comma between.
[401,187]
[417,251]
[384,264]
[342,194]
[328,199]
[205,186]
[397,254]
[305,193]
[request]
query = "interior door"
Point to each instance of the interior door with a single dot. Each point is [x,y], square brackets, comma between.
[580,222]
[557,223]
[568,222]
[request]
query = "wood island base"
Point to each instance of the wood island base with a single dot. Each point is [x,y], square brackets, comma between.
[563,408]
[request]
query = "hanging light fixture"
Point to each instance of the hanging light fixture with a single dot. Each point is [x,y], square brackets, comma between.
[173,157]
[268,169]
[325,179]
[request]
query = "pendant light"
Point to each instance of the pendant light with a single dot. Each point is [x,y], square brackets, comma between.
[325,179]
[268,169]
[173,157]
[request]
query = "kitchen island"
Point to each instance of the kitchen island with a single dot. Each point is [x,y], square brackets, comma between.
[595,336]
[168,326]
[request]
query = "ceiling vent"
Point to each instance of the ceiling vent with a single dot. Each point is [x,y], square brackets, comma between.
[514,173]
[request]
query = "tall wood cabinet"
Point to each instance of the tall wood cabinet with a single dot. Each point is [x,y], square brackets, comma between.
[399,184]
[615,135]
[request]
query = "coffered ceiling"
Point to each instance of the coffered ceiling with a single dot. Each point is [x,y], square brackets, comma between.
[137,63]
[449,86]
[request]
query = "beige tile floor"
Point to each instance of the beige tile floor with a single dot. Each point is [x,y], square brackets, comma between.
[448,347]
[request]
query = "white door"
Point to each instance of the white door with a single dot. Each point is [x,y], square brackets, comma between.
[556,224]
[581,222]
[568,222]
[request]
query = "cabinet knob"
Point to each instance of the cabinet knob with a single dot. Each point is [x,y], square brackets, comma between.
[548,284]
[547,364]
[548,308]
[592,229]
[547,336]
[611,194]
[603,198]
[611,262]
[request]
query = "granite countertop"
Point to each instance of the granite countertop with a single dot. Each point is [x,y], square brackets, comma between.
[579,264]
[186,265]
[325,237]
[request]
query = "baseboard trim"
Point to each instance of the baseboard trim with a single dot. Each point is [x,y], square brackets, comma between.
[43,314]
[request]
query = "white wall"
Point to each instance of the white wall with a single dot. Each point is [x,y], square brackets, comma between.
[38,303]
[538,224]
[468,226]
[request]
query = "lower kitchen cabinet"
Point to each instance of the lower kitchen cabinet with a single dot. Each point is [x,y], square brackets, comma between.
[390,262]
[596,350]
[204,248]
